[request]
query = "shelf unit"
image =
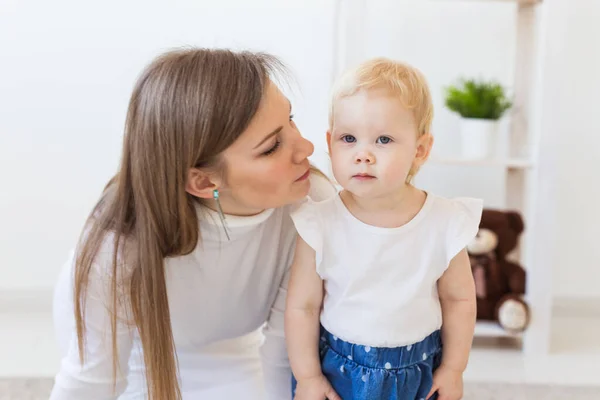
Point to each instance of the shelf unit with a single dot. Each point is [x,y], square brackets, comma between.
[520,162]
[488,329]
[521,172]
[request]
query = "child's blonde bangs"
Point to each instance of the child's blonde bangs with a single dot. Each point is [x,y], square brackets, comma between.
[399,78]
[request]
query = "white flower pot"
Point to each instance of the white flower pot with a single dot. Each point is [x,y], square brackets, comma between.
[479,137]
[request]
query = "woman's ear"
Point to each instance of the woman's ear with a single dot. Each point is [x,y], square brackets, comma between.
[200,183]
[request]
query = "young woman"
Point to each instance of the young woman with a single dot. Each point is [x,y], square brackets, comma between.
[183,263]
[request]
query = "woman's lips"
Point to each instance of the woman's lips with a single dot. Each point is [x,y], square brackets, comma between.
[305,176]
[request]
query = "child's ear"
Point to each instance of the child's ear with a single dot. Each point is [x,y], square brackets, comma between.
[200,183]
[329,142]
[424,145]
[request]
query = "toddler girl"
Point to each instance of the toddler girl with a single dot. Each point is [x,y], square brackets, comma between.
[380,266]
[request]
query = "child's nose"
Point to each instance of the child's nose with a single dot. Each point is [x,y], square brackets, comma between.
[364,157]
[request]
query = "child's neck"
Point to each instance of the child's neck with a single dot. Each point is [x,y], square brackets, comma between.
[390,211]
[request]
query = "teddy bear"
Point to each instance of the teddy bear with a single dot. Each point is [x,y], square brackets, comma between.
[499,283]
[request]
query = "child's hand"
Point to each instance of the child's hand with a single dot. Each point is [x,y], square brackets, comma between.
[448,383]
[317,388]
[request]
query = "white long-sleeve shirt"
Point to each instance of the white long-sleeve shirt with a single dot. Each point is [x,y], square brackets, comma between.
[226,301]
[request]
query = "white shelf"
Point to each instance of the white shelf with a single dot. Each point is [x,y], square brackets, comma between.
[510,163]
[492,329]
[520,186]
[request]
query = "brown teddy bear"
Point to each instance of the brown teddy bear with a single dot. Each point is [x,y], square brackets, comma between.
[499,283]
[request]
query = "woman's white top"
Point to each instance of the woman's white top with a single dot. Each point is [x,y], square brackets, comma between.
[380,283]
[226,301]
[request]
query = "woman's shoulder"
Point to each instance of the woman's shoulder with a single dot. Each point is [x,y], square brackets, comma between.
[106,249]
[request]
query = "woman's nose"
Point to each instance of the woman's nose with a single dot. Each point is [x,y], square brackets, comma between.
[304,149]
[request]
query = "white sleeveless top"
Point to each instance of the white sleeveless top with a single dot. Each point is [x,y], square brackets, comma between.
[380,283]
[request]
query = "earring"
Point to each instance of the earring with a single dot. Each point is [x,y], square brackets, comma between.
[221,215]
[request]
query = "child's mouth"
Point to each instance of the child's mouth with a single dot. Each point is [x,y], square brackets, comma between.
[363,177]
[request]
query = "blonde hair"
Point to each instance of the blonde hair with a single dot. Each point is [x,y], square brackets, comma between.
[401,79]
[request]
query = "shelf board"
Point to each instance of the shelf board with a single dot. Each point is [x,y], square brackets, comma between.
[510,163]
[492,329]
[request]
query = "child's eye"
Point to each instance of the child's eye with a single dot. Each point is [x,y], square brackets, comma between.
[348,139]
[383,140]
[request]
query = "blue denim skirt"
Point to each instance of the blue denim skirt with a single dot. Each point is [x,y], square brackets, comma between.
[368,373]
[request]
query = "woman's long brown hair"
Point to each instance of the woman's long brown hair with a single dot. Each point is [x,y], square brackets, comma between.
[186,108]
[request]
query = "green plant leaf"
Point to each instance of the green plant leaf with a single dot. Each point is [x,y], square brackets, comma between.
[472,98]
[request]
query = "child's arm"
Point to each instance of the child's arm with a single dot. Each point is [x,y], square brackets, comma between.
[302,329]
[305,296]
[456,289]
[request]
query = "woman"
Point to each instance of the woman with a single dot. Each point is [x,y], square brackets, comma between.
[186,255]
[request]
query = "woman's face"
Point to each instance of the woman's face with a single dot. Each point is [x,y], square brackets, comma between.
[267,166]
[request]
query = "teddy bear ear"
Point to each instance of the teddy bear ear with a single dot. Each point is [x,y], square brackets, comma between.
[516,221]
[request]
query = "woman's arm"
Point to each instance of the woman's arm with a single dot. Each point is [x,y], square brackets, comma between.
[94,379]
[305,297]
[276,365]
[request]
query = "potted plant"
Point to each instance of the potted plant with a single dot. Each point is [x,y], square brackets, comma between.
[480,104]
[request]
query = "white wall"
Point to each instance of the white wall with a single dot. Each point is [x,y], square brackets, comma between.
[570,148]
[67,68]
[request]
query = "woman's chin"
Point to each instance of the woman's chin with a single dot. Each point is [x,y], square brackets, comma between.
[302,187]
[298,191]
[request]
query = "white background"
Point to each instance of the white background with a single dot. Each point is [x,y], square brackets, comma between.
[67,68]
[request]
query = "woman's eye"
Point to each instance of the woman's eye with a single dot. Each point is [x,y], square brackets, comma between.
[384,140]
[272,149]
[348,139]
[292,122]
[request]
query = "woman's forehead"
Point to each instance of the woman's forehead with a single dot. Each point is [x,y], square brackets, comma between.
[273,107]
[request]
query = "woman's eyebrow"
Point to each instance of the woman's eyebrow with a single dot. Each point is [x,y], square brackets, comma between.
[270,135]
[275,132]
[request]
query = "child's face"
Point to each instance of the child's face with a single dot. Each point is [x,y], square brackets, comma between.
[374,143]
